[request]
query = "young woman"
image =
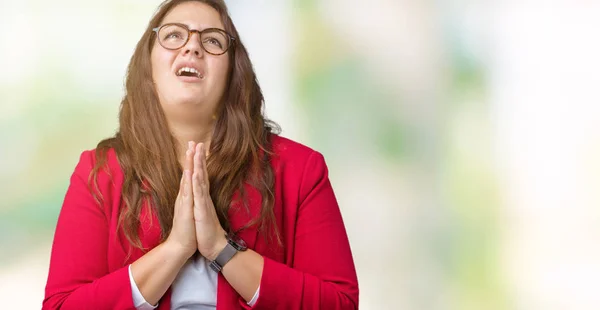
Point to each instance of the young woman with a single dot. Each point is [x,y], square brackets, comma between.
[196,202]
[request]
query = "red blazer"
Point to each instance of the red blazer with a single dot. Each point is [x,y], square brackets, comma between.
[314,270]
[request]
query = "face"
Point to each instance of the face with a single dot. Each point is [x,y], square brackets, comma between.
[179,92]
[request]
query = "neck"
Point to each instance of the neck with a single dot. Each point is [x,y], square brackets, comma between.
[199,132]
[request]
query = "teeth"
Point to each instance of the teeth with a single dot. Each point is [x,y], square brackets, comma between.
[190,70]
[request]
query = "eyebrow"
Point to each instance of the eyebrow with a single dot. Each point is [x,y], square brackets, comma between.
[189,27]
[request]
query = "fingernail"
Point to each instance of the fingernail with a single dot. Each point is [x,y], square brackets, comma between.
[190,145]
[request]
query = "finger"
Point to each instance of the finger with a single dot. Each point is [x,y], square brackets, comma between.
[189,158]
[198,160]
[204,166]
[178,199]
[181,184]
[188,164]
[203,172]
[186,191]
[197,188]
[197,177]
[180,192]
[204,186]
[200,212]
[187,185]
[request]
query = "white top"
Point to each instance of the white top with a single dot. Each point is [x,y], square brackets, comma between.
[186,293]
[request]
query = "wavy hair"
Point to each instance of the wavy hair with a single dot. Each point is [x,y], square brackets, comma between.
[240,146]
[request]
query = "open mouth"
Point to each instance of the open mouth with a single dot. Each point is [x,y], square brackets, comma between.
[190,72]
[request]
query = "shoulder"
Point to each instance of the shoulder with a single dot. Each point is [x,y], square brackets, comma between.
[103,166]
[90,158]
[293,158]
[96,179]
[286,151]
[285,148]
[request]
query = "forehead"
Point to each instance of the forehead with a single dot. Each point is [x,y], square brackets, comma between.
[194,14]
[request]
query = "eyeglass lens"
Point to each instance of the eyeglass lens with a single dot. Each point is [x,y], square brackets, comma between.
[214,41]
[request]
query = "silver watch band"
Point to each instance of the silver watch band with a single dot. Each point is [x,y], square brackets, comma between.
[226,254]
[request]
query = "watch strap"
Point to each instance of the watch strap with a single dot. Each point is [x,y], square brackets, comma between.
[226,254]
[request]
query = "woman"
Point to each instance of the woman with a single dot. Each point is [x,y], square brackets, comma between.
[196,202]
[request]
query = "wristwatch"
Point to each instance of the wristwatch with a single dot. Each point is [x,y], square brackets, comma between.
[234,245]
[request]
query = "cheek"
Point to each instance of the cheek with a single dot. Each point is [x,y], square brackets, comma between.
[160,65]
[222,69]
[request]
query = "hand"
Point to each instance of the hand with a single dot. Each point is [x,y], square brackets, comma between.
[183,233]
[210,235]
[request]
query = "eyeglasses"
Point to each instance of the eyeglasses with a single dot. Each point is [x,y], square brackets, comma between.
[174,36]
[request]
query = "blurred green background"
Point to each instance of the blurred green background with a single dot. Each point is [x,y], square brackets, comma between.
[462,137]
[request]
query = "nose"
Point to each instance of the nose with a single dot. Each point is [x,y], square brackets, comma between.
[193,45]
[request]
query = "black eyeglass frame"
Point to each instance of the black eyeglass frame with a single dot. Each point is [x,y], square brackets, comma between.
[230,43]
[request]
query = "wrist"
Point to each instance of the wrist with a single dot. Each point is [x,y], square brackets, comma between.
[233,245]
[176,250]
[219,246]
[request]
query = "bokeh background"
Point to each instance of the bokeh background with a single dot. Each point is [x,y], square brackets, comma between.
[462,136]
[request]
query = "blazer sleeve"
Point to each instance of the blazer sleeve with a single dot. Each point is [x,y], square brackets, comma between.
[79,277]
[322,275]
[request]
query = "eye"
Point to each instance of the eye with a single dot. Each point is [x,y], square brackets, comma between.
[213,41]
[173,35]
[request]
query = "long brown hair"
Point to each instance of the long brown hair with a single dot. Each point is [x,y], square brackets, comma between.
[240,146]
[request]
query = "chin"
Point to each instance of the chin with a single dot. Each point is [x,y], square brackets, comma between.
[186,97]
[188,101]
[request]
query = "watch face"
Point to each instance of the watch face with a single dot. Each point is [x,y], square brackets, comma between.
[237,243]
